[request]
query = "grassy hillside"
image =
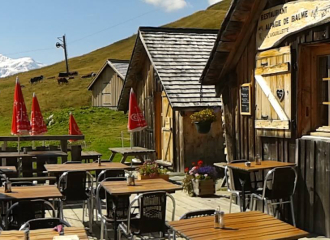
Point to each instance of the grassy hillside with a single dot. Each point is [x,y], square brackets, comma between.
[54,98]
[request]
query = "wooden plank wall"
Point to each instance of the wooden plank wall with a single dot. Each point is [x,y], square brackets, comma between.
[313,192]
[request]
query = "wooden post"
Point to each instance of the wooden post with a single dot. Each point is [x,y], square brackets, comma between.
[64,148]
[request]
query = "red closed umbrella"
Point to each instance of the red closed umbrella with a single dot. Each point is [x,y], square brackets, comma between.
[136,120]
[38,125]
[20,124]
[73,127]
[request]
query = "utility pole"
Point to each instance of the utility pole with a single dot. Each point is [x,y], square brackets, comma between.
[63,45]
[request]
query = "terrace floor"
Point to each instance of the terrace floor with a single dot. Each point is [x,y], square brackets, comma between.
[184,204]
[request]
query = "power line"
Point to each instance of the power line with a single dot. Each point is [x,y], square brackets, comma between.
[87,36]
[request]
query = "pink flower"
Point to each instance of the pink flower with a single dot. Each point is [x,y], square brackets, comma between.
[205,175]
[196,174]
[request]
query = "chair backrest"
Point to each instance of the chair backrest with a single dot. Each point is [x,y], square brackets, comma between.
[284,180]
[73,185]
[76,153]
[42,223]
[198,213]
[110,173]
[23,211]
[152,212]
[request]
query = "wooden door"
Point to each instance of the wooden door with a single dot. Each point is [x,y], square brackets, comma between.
[158,124]
[273,93]
[167,129]
[106,94]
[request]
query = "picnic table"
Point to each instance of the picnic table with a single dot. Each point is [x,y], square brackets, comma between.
[90,155]
[141,186]
[138,152]
[7,169]
[59,168]
[243,225]
[265,165]
[43,234]
[32,154]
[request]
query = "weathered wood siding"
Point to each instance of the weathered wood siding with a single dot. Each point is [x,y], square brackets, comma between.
[106,90]
[207,147]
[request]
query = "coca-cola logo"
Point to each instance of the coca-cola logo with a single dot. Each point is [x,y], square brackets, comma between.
[136,117]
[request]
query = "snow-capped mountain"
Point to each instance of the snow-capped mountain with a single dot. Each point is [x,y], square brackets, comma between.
[11,66]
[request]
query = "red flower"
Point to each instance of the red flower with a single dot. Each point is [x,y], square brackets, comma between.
[200,163]
[193,163]
[186,170]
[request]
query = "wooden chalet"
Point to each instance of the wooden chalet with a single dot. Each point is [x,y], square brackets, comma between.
[164,72]
[107,84]
[271,64]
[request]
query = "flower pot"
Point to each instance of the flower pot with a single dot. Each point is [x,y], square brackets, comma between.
[203,187]
[163,176]
[203,127]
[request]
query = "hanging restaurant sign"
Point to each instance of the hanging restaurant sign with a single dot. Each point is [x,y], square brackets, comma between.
[281,21]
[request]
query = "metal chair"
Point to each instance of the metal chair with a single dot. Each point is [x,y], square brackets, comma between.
[234,186]
[116,207]
[151,219]
[77,186]
[42,223]
[23,211]
[283,184]
[198,213]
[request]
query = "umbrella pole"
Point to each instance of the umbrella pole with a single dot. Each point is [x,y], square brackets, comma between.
[131,135]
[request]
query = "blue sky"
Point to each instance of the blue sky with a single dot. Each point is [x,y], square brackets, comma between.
[30,28]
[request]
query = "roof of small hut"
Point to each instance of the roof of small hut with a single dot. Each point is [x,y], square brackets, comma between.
[119,66]
[234,35]
[178,57]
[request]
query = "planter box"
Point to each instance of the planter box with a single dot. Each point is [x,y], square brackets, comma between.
[203,187]
[163,176]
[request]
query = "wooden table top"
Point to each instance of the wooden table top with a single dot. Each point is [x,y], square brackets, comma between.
[30,192]
[43,234]
[52,168]
[128,150]
[90,154]
[264,165]
[33,154]
[8,169]
[141,186]
[243,225]
[42,137]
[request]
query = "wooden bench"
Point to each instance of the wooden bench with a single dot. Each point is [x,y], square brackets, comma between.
[165,164]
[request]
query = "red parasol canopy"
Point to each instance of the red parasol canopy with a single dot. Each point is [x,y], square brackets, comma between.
[73,127]
[136,121]
[38,125]
[20,123]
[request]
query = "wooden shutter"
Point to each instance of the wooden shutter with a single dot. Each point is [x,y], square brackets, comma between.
[273,93]
[167,130]
[106,95]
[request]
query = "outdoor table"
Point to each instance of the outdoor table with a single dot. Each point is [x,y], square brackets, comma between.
[141,186]
[30,192]
[90,155]
[7,169]
[134,151]
[244,225]
[43,234]
[32,154]
[60,168]
[253,168]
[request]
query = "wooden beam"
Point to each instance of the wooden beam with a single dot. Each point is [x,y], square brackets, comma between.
[271,98]
[272,124]
[278,68]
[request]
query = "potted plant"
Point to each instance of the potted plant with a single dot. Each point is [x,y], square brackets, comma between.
[152,170]
[203,120]
[200,180]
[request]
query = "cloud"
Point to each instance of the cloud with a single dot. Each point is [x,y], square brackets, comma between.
[168,5]
[211,2]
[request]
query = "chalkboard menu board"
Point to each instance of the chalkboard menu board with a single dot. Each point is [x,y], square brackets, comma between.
[245,97]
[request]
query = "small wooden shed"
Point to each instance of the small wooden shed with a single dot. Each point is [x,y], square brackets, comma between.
[164,72]
[271,64]
[107,84]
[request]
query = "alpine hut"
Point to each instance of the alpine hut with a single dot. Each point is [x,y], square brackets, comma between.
[107,84]
[164,72]
[271,64]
